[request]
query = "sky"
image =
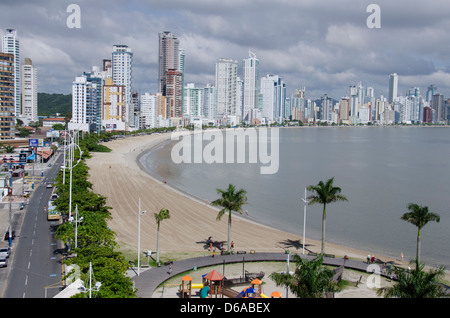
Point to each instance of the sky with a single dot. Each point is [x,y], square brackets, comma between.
[323,45]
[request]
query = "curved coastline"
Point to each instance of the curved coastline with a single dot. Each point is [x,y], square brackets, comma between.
[124,155]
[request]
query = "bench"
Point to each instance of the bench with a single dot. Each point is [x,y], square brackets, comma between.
[241,252]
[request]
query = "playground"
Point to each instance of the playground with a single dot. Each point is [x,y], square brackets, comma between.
[175,286]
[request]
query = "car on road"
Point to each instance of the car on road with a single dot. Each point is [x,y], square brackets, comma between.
[4,252]
[3,262]
[49,185]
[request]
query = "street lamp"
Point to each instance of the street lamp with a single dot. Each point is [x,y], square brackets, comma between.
[305,201]
[139,236]
[71,158]
[76,224]
[96,287]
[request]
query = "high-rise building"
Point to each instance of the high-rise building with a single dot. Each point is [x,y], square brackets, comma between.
[113,106]
[7,93]
[273,90]
[122,62]
[174,93]
[437,104]
[393,87]
[169,58]
[10,44]
[84,104]
[430,92]
[29,91]
[344,109]
[227,89]
[193,100]
[210,103]
[96,77]
[251,84]
[149,110]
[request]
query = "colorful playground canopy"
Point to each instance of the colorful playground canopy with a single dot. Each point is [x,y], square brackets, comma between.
[214,276]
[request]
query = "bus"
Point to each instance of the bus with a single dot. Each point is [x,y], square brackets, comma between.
[52,213]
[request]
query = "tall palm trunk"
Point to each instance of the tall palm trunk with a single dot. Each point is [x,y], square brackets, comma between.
[157,246]
[229,232]
[324,217]
[418,249]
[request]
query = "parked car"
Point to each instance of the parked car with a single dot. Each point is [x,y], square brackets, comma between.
[4,252]
[3,262]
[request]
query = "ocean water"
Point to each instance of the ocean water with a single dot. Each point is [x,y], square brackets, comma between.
[379,169]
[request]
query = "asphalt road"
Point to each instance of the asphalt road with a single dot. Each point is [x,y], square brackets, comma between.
[35,263]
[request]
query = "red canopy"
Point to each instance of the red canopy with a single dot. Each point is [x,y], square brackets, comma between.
[213,276]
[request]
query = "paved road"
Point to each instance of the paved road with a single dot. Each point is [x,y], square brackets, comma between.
[35,263]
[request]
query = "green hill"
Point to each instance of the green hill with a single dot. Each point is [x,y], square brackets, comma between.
[50,104]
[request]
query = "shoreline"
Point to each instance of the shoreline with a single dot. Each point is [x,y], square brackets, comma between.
[192,220]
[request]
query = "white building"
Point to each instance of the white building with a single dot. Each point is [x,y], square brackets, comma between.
[273,90]
[227,88]
[393,87]
[122,60]
[83,105]
[149,110]
[251,86]
[210,103]
[29,92]
[10,44]
[193,100]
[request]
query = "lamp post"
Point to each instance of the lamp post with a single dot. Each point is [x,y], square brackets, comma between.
[76,224]
[305,201]
[71,158]
[139,237]
[96,287]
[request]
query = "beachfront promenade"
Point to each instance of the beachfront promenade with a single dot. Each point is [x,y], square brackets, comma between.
[149,280]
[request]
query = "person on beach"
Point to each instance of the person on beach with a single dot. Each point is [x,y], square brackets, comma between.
[170,268]
[368,259]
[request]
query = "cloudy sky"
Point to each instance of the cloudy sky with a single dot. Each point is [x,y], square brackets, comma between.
[324,45]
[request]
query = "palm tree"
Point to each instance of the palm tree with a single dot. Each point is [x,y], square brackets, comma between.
[419,216]
[325,193]
[417,284]
[309,280]
[159,217]
[230,201]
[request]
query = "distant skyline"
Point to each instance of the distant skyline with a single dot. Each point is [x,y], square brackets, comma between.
[323,45]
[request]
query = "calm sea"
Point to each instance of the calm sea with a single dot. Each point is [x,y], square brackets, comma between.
[380,171]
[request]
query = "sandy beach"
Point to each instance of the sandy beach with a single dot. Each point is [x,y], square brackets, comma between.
[117,176]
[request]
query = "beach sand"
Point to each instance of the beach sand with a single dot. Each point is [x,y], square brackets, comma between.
[117,176]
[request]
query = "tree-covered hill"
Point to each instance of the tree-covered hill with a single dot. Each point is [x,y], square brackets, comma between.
[50,104]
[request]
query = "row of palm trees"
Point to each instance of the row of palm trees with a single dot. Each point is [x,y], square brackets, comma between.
[232,200]
[323,193]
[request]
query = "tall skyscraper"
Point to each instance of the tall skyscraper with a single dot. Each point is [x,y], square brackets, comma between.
[437,104]
[227,88]
[210,102]
[122,65]
[7,116]
[84,104]
[251,84]
[149,110]
[169,57]
[10,44]
[273,90]
[113,106]
[393,87]
[174,93]
[29,91]
[193,100]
